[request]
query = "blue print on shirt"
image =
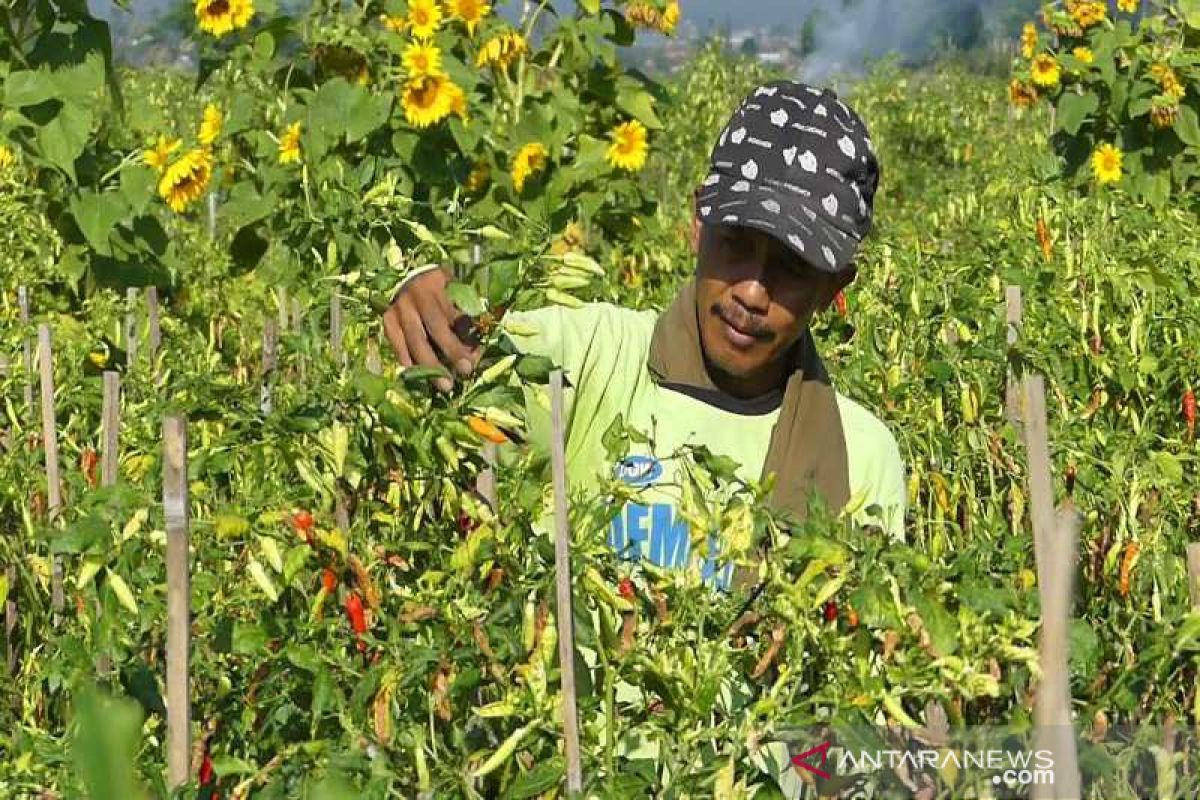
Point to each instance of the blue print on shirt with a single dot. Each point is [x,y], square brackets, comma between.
[654,531]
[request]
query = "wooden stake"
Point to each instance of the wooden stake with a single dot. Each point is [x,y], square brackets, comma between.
[10,621]
[374,361]
[175,510]
[1012,317]
[1037,455]
[1193,568]
[50,443]
[283,309]
[485,484]
[152,314]
[1052,708]
[562,570]
[6,435]
[269,362]
[131,341]
[110,428]
[335,328]
[26,348]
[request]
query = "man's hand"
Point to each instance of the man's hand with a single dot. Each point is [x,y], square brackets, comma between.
[422,324]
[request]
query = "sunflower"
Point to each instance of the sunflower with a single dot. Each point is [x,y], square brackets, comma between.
[1164,112]
[7,159]
[530,159]
[471,12]
[289,144]
[458,101]
[424,18]
[502,50]
[393,24]
[1029,40]
[1021,94]
[477,181]
[670,18]
[183,182]
[628,148]
[1045,70]
[160,154]
[572,240]
[1106,164]
[219,17]
[427,100]
[1089,13]
[1128,6]
[210,126]
[421,59]
[1168,79]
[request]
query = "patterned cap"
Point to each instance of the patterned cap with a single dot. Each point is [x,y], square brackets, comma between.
[795,162]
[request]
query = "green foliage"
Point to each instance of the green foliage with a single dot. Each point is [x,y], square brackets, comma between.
[1126,82]
[458,658]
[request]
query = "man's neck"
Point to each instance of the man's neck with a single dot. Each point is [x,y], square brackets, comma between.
[772,378]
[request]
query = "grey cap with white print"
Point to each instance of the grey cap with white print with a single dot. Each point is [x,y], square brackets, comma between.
[798,163]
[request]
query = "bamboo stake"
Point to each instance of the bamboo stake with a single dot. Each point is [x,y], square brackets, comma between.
[1012,317]
[374,361]
[269,362]
[335,328]
[50,443]
[152,313]
[1193,568]
[562,569]
[11,621]
[1052,708]
[175,509]
[131,342]
[6,438]
[1037,454]
[10,574]
[110,427]
[26,348]
[485,484]
[283,309]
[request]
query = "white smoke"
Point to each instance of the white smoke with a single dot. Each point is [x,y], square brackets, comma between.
[847,35]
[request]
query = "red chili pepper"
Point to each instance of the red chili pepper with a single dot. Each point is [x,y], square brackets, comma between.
[851,616]
[357,617]
[303,522]
[843,307]
[465,523]
[87,462]
[625,589]
[207,773]
[1189,411]
[1070,479]
[329,580]
[831,611]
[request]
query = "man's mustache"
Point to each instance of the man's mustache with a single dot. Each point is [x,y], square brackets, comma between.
[742,321]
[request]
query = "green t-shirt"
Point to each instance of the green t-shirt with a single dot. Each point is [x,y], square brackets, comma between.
[603,351]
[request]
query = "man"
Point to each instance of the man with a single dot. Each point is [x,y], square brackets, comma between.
[731,364]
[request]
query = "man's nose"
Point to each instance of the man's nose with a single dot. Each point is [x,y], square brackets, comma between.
[750,287]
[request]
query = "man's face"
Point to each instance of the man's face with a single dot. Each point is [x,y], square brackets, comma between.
[755,298]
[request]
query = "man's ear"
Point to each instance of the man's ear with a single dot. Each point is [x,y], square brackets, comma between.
[837,282]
